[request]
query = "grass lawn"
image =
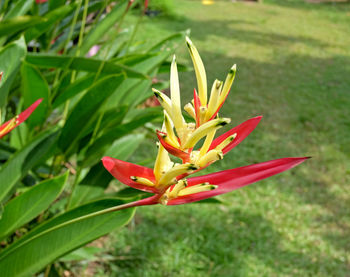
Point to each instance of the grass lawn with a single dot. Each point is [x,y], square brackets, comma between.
[293,64]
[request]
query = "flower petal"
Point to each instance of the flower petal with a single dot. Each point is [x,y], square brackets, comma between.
[20,118]
[197,105]
[172,150]
[123,171]
[242,131]
[232,179]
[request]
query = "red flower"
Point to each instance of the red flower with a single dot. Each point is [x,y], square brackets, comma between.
[179,138]
[221,182]
[14,122]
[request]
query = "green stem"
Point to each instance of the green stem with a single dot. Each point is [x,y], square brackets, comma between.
[70,198]
[97,126]
[134,32]
[81,35]
[70,34]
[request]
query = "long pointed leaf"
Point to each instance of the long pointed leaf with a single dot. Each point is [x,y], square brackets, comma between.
[81,64]
[30,204]
[34,86]
[60,236]
[86,110]
[10,59]
[11,26]
[26,158]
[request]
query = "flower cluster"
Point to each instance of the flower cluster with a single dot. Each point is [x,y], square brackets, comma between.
[168,180]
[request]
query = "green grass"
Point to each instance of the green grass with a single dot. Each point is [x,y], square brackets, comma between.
[293,64]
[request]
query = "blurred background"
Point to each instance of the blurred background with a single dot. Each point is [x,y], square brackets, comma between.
[293,68]
[293,60]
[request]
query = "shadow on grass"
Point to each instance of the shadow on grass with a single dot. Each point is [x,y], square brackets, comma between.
[306,112]
[305,102]
[323,5]
[218,248]
[226,28]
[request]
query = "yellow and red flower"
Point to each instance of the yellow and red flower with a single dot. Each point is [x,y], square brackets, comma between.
[168,180]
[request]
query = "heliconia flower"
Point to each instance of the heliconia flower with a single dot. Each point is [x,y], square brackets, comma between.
[205,113]
[168,180]
[40,1]
[14,122]
[197,188]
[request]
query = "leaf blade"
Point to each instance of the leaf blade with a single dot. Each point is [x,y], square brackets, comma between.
[31,203]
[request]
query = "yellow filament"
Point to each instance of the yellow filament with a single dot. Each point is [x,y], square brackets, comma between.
[164,101]
[170,141]
[202,113]
[179,186]
[170,131]
[211,156]
[208,140]
[175,96]
[162,163]
[196,189]
[227,85]
[190,110]
[226,142]
[200,72]
[205,129]
[142,181]
[214,97]
[170,175]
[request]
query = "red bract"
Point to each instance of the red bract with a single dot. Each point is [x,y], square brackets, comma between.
[236,178]
[13,123]
[184,156]
[123,171]
[179,138]
[40,1]
[242,131]
[226,181]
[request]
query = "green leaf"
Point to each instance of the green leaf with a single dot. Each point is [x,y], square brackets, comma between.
[123,148]
[10,59]
[98,178]
[86,110]
[110,119]
[149,65]
[98,148]
[5,150]
[11,26]
[30,204]
[60,236]
[100,29]
[25,159]
[73,89]
[165,67]
[34,86]
[20,8]
[51,18]
[81,64]
[53,4]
